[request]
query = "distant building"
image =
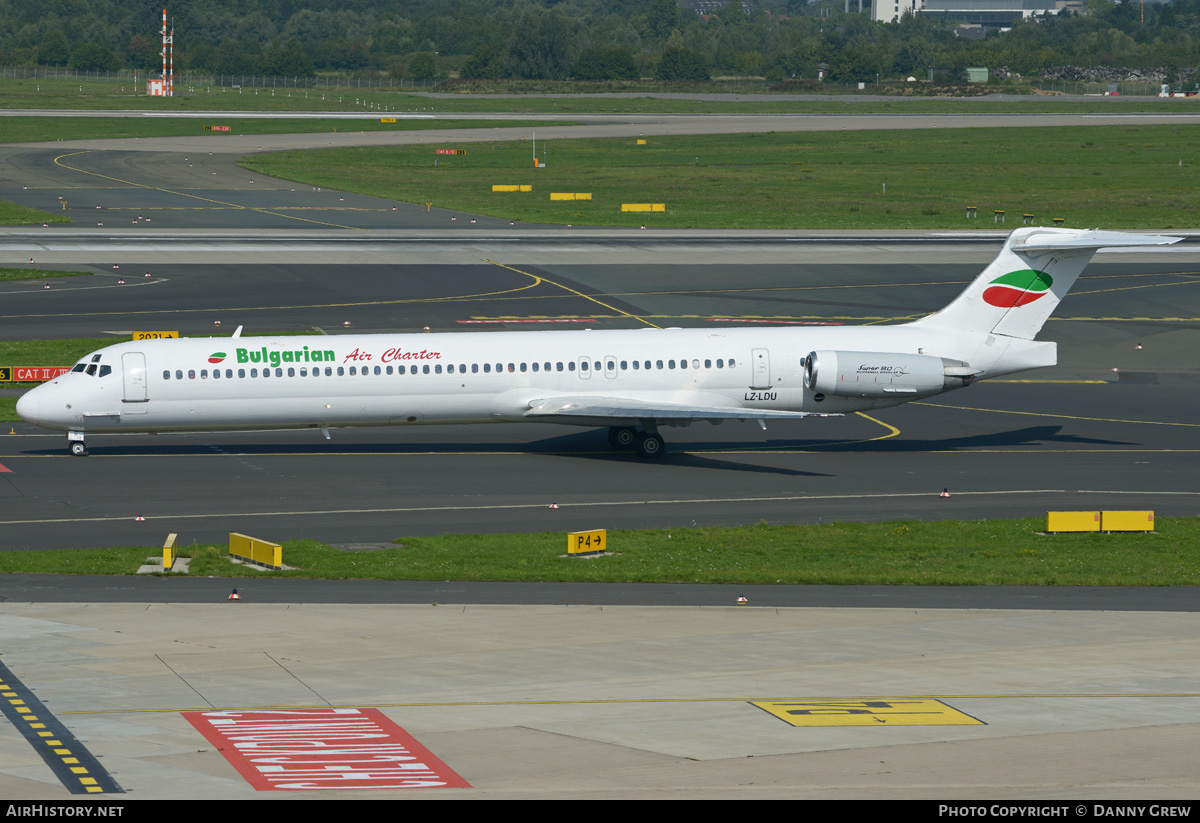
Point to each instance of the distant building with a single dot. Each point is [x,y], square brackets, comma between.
[990,14]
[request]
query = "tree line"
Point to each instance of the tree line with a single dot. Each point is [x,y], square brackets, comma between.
[581,39]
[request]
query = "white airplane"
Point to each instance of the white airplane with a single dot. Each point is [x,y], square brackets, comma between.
[632,381]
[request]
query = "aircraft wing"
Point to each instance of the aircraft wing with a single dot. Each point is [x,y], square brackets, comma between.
[627,409]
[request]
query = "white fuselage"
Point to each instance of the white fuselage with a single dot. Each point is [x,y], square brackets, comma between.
[405,379]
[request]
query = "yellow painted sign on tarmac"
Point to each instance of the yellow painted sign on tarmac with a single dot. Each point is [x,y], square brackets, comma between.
[875,711]
[387,119]
[153,335]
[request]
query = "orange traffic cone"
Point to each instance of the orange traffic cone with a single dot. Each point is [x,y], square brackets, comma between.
[945,492]
[234,596]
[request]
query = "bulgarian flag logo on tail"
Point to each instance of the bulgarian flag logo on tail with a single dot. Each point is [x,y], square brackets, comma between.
[1017,288]
[216,357]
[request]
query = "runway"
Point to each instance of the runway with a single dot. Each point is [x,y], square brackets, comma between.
[1077,694]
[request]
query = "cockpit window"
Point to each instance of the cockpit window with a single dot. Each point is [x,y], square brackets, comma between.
[92,370]
[105,371]
[95,358]
[80,367]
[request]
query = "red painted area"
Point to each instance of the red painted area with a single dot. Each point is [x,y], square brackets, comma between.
[1006,297]
[34,374]
[4,468]
[317,749]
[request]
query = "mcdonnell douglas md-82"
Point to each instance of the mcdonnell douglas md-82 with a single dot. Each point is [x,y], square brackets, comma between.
[632,381]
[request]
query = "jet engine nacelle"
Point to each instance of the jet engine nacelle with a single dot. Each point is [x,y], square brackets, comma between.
[882,374]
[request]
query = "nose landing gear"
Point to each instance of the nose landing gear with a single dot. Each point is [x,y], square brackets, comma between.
[76,445]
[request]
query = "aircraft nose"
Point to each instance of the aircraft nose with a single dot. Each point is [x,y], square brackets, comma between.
[28,406]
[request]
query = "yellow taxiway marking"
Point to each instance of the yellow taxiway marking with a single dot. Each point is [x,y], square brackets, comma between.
[196,196]
[879,711]
[575,292]
[452,704]
[1059,416]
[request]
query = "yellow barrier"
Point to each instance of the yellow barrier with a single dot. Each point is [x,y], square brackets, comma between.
[252,550]
[587,542]
[570,195]
[169,552]
[643,207]
[1072,521]
[513,188]
[1103,521]
[1126,521]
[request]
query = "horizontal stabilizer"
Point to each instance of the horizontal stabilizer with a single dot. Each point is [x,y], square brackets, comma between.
[1062,240]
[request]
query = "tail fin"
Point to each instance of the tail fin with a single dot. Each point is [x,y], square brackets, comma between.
[1019,290]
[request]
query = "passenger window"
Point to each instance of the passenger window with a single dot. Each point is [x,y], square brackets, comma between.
[720,363]
[731,362]
[474,368]
[658,363]
[635,365]
[512,367]
[266,372]
[292,371]
[279,372]
[547,367]
[425,369]
[487,368]
[558,366]
[437,369]
[683,364]
[571,365]
[708,364]
[522,367]
[535,366]
[216,374]
[229,373]
[254,372]
[191,374]
[353,370]
[583,365]
[241,373]
[648,365]
[303,372]
[450,369]
[379,371]
[204,374]
[167,374]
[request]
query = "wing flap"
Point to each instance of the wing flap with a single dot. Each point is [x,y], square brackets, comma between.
[623,408]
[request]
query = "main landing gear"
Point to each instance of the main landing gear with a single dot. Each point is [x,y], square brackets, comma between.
[648,444]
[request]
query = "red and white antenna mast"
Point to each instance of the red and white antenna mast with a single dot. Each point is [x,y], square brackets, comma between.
[168,46]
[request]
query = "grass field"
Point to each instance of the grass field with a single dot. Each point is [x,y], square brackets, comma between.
[1112,177]
[35,274]
[12,214]
[998,552]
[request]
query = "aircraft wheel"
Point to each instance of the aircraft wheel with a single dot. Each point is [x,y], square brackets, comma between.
[649,445]
[621,437]
[78,449]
